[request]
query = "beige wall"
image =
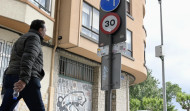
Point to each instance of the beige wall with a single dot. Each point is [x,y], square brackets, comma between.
[47,53]
[70,26]
[25,13]
[31,14]
[69,22]
[94,3]
[7,10]
[8,36]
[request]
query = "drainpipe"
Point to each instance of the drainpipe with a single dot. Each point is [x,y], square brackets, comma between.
[79,25]
[51,87]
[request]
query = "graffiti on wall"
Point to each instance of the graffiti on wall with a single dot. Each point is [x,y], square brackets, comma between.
[73,95]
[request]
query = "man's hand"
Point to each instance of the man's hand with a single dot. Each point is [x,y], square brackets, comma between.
[19,86]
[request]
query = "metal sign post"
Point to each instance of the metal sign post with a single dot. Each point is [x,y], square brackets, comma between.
[116,71]
[112,31]
[108,92]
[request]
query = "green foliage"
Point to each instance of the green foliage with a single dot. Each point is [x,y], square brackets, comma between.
[148,88]
[153,104]
[148,91]
[171,107]
[171,91]
[135,104]
[184,100]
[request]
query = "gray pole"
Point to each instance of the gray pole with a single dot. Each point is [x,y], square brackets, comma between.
[108,93]
[162,58]
[164,85]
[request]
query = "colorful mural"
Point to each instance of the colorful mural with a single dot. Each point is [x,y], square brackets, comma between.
[73,95]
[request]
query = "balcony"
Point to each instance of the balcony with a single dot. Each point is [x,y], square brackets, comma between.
[18,14]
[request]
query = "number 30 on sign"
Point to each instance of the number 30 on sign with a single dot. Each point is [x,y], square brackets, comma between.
[110,23]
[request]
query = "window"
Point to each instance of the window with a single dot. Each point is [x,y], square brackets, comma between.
[90,22]
[76,69]
[129,43]
[128,6]
[5,52]
[42,4]
[144,53]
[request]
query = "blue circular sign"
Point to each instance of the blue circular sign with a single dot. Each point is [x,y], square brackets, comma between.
[109,5]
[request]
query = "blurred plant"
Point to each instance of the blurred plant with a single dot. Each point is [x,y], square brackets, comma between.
[184,100]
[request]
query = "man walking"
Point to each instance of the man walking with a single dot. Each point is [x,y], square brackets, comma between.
[25,70]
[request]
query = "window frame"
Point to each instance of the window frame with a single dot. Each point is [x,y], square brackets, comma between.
[144,53]
[46,8]
[131,51]
[90,37]
[128,7]
[77,70]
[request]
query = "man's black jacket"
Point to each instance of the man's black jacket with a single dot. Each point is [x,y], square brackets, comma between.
[27,57]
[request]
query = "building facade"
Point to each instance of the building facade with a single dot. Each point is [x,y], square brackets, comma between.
[73,69]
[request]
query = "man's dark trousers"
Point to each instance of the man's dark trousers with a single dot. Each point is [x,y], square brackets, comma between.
[31,94]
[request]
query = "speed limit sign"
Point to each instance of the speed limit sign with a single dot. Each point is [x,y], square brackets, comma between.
[110,23]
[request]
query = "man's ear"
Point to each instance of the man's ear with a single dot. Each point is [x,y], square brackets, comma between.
[40,30]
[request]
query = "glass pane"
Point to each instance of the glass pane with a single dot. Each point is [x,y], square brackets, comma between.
[45,5]
[48,5]
[41,2]
[9,51]
[95,22]
[86,15]
[35,3]
[86,31]
[127,7]
[95,36]
[4,57]
[129,53]
[129,41]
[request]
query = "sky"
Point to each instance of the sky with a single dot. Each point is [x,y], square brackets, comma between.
[176,34]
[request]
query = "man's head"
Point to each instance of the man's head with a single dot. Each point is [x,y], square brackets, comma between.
[39,25]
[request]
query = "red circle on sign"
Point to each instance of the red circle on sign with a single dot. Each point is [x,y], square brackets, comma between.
[115,28]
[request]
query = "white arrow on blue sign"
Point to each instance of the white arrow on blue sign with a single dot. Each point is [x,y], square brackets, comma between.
[109,5]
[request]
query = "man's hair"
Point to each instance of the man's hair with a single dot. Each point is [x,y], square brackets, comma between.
[37,24]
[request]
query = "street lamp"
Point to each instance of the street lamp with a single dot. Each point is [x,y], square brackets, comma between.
[159,53]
